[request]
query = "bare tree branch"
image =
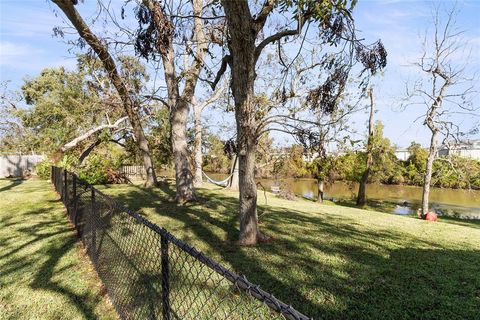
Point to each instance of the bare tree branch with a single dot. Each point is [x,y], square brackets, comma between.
[73,143]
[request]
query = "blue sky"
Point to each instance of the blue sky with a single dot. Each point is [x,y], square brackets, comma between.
[27,46]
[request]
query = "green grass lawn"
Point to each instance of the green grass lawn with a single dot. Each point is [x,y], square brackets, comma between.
[44,273]
[327,261]
[332,262]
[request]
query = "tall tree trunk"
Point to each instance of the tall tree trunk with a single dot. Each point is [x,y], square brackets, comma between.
[178,125]
[432,151]
[249,232]
[321,185]
[198,159]
[183,172]
[109,64]
[432,123]
[362,195]
[242,50]
[144,152]
[179,104]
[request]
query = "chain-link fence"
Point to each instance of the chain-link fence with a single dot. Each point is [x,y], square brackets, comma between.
[150,274]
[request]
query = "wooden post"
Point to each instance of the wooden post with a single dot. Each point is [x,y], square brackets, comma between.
[165,278]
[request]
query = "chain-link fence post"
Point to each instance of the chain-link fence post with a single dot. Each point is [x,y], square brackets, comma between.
[74,195]
[65,188]
[165,278]
[93,226]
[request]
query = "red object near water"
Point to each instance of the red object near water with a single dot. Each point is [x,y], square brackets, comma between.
[431,216]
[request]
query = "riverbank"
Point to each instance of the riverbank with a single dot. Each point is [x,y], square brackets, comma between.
[396,199]
[331,261]
[43,271]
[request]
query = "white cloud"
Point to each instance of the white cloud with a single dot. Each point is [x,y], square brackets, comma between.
[18,60]
[14,55]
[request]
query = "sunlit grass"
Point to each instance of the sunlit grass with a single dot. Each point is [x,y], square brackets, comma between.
[332,261]
[43,271]
[327,261]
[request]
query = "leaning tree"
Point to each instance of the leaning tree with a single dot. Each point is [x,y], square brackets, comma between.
[130,102]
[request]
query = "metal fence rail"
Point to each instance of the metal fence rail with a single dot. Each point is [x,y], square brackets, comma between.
[150,274]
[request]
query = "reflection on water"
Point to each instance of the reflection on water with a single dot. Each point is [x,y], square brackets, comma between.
[454,202]
[403,210]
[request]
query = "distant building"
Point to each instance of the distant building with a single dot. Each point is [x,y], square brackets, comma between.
[466,149]
[402,154]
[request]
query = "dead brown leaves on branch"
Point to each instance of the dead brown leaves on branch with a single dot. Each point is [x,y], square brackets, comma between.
[374,58]
[154,33]
[327,96]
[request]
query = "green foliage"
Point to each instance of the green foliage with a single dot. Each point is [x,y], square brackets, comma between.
[322,169]
[97,166]
[456,172]
[68,162]
[349,166]
[385,164]
[61,101]
[291,163]
[95,170]
[453,172]
[158,136]
[43,169]
[215,159]
[415,164]
[63,104]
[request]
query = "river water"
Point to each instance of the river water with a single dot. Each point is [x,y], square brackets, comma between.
[403,200]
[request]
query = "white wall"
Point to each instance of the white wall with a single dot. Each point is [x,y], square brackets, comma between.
[402,154]
[15,165]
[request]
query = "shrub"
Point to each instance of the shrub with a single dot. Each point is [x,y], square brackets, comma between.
[43,168]
[95,170]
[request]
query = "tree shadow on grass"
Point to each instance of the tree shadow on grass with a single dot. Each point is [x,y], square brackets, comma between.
[326,267]
[44,278]
[471,223]
[418,283]
[37,242]
[13,183]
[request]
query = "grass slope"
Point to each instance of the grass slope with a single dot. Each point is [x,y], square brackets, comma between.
[43,272]
[332,262]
